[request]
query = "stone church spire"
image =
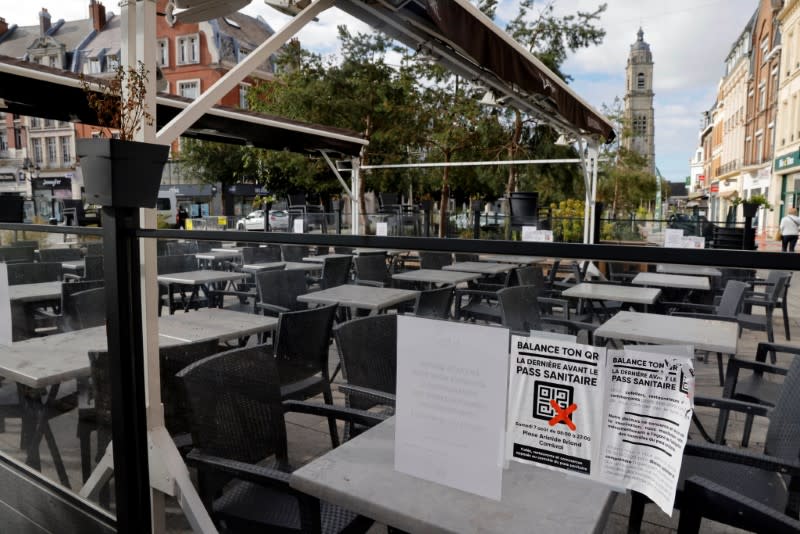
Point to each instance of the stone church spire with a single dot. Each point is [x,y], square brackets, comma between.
[639,95]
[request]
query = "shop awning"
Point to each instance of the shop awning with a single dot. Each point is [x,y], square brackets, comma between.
[461,38]
[35,90]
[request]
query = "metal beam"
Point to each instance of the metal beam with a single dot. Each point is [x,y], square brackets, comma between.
[469,163]
[184,120]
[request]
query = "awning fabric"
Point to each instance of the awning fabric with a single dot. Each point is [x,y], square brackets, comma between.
[471,45]
[35,90]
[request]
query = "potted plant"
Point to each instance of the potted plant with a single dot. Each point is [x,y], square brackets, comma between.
[121,172]
[751,205]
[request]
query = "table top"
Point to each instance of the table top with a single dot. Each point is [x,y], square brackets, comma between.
[201,277]
[634,295]
[35,292]
[321,257]
[672,280]
[218,254]
[47,360]
[359,475]
[695,270]
[704,334]
[364,297]
[435,276]
[510,258]
[481,267]
[73,265]
[288,265]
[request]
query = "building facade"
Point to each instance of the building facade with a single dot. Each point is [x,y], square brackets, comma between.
[786,165]
[639,113]
[761,110]
[37,156]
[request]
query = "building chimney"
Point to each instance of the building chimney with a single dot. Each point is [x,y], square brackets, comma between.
[44,21]
[98,13]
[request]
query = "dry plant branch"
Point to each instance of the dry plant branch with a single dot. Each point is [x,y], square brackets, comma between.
[119,102]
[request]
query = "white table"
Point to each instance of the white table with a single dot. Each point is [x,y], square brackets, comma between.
[435,276]
[48,361]
[510,258]
[696,270]
[200,279]
[73,266]
[480,267]
[633,295]
[704,334]
[42,291]
[359,475]
[369,298]
[708,335]
[679,281]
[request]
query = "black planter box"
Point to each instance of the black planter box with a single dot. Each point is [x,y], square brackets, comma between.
[122,174]
[749,209]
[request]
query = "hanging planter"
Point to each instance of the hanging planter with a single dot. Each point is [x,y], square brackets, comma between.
[121,173]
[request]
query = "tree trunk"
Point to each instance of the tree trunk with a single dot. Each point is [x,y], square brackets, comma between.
[445,198]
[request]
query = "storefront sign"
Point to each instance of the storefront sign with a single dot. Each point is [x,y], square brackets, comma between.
[57,182]
[787,161]
[714,188]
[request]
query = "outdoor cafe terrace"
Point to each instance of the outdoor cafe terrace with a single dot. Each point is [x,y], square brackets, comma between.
[326,310]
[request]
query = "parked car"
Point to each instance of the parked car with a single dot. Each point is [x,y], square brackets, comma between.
[278,221]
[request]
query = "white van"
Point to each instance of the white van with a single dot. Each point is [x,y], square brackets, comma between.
[167,206]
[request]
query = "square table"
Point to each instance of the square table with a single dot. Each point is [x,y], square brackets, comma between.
[679,281]
[633,295]
[510,258]
[288,265]
[199,280]
[359,475]
[479,267]
[215,258]
[696,270]
[435,276]
[74,266]
[39,292]
[48,361]
[708,335]
[369,298]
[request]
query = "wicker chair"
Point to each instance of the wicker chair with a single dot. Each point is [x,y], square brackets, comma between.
[295,252]
[59,254]
[435,303]
[241,450]
[371,269]
[769,300]
[335,272]
[371,374]
[301,352]
[770,478]
[278,291]
[434,260]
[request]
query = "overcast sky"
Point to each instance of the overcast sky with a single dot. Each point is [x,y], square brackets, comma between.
[689,40]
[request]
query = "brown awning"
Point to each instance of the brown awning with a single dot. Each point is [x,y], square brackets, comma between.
[468,43]
[35,90]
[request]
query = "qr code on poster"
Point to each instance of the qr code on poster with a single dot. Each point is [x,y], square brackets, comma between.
[543,392]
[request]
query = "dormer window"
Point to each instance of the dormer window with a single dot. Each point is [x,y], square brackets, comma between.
[92,65]
[112,62]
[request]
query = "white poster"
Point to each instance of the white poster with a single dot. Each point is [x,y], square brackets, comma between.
[545,236]
[451,402]
[649,408]
[673,238]
[382,228]
[528,233]
[298,226]
[555,410]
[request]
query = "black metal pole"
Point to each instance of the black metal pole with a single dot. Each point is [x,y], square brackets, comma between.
[126,360]
[476,222]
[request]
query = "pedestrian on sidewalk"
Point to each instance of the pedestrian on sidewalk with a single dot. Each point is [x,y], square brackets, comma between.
[790,227]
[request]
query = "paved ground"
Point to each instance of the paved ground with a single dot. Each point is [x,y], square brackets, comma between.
[308,435]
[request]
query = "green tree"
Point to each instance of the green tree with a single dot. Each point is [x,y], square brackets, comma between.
[222,163]
[624,182]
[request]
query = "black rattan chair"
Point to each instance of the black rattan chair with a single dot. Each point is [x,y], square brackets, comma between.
[435,303]
[434,260]
[241,449]
[770,478]
[59,254]
[368,352]
[295,252]
[371,269]
[335,272]
[769,300]
[278,291]
[268,254]
[301,351]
